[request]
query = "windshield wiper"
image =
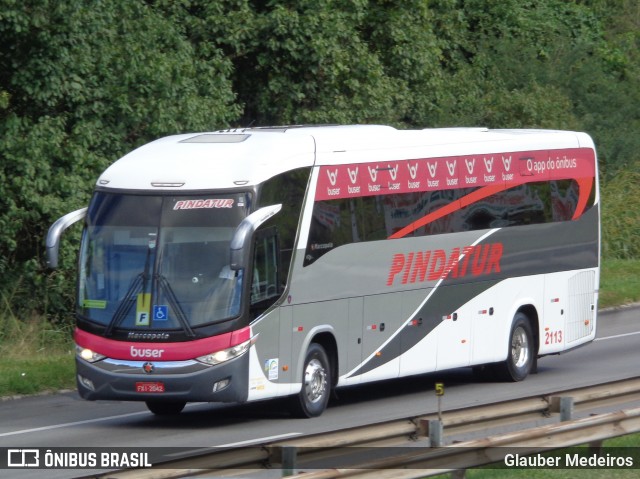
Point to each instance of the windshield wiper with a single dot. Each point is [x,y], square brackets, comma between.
[125,305]
[162,282]
[175,304]
[127,302]
[140,283]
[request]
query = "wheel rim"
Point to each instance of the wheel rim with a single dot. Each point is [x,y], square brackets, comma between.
[315,381]
[520,347]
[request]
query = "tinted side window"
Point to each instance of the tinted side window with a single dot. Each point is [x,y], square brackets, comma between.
[289,190]
[351,220]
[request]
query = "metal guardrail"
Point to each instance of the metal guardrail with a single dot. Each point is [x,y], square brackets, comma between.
[428,461]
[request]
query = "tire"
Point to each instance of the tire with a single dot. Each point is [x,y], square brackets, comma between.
[165,408]
[312,399]
[521,351]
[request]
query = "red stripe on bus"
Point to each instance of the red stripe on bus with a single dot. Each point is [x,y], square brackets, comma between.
[585,185]
[160,351]
[471,198]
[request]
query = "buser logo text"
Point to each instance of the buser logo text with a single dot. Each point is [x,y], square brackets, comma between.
[146,353]
[433,265]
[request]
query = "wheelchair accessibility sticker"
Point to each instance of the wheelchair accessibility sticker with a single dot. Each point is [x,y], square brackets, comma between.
[160,312]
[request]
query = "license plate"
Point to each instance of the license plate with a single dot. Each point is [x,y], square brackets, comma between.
[149,387]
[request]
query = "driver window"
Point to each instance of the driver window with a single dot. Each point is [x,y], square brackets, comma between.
[264,283]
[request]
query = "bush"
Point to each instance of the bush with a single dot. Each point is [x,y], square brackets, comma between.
[80,85]
[620,199]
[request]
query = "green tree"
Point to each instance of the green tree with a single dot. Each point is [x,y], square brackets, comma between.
[81,83]
[308,63]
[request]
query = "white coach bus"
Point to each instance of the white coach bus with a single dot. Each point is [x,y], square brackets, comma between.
[241,265]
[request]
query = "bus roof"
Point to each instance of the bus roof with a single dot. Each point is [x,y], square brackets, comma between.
[241,157]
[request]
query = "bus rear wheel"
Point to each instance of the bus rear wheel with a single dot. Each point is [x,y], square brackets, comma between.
[521,351]
[165,408]
[312,399]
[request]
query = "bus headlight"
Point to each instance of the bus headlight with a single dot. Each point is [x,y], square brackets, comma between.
[88,355]
[226,354]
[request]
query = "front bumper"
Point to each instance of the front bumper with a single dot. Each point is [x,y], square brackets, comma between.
[188,381]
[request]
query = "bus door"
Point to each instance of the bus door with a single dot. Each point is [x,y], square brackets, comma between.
[454,336]
[382,319]
[354,334]
[418,346]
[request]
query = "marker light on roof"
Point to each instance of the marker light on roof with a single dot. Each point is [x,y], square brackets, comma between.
[166,185]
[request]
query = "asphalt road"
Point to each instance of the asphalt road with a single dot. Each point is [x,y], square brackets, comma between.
[65,420]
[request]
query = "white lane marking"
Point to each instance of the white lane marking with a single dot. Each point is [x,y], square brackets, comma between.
[248,442]
[261,440]
[76,423]
[617,336]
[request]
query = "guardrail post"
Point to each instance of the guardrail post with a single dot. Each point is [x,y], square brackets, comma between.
[595,447]
[566,408]
[289,460]
[563,405]
[435,432]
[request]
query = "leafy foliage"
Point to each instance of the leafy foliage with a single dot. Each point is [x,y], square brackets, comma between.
[81,83]
[621,216]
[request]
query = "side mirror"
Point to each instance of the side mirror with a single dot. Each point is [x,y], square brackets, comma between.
[55,232]
[241,241]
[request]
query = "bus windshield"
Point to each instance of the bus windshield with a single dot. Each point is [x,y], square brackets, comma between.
[160,262]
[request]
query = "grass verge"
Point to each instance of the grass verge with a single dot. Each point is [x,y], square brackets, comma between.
[35,356]
[38,374]
[619,282]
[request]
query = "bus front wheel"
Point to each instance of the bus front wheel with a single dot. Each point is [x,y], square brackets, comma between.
[521,351]
[312,399]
